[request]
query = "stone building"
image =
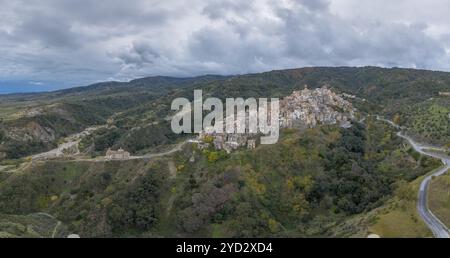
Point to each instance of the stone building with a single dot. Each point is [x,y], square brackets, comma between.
[309,108]
[117,155]
[304,108]
[230,146]
[251,144]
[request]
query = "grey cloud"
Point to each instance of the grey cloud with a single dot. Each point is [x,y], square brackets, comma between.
[49,31]
[139,54]
[66,23]
[317,38]
[326,38]
[220,9]
[63,40]
[315,5]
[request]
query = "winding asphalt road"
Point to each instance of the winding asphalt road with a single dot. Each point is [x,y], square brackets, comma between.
[436,226]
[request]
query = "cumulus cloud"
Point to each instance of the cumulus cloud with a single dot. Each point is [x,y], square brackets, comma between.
[75,42]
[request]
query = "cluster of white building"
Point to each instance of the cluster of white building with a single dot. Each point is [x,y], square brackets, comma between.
[309,108]
[302,109]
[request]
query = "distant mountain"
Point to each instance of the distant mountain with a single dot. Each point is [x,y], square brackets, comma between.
[23,86]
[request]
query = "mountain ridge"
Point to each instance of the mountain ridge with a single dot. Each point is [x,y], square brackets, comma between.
[145,101]
[218,76]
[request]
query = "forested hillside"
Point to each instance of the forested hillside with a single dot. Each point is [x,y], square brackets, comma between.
[322,181]
[323,176]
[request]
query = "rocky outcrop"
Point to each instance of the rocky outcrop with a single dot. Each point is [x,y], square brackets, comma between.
[32,132]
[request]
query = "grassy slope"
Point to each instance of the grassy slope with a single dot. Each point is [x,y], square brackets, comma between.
[439,198]
[399,217]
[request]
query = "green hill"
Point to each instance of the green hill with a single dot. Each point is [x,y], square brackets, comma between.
[318,182]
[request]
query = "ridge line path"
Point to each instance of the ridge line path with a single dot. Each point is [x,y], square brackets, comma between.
[176,148]
[72,141]
[436,226]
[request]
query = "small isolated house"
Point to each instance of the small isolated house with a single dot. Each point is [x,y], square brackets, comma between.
[117,155]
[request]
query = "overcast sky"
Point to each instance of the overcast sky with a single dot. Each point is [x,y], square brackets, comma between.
[50,44]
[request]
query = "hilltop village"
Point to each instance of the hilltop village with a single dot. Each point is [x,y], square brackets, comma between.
[302,109]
